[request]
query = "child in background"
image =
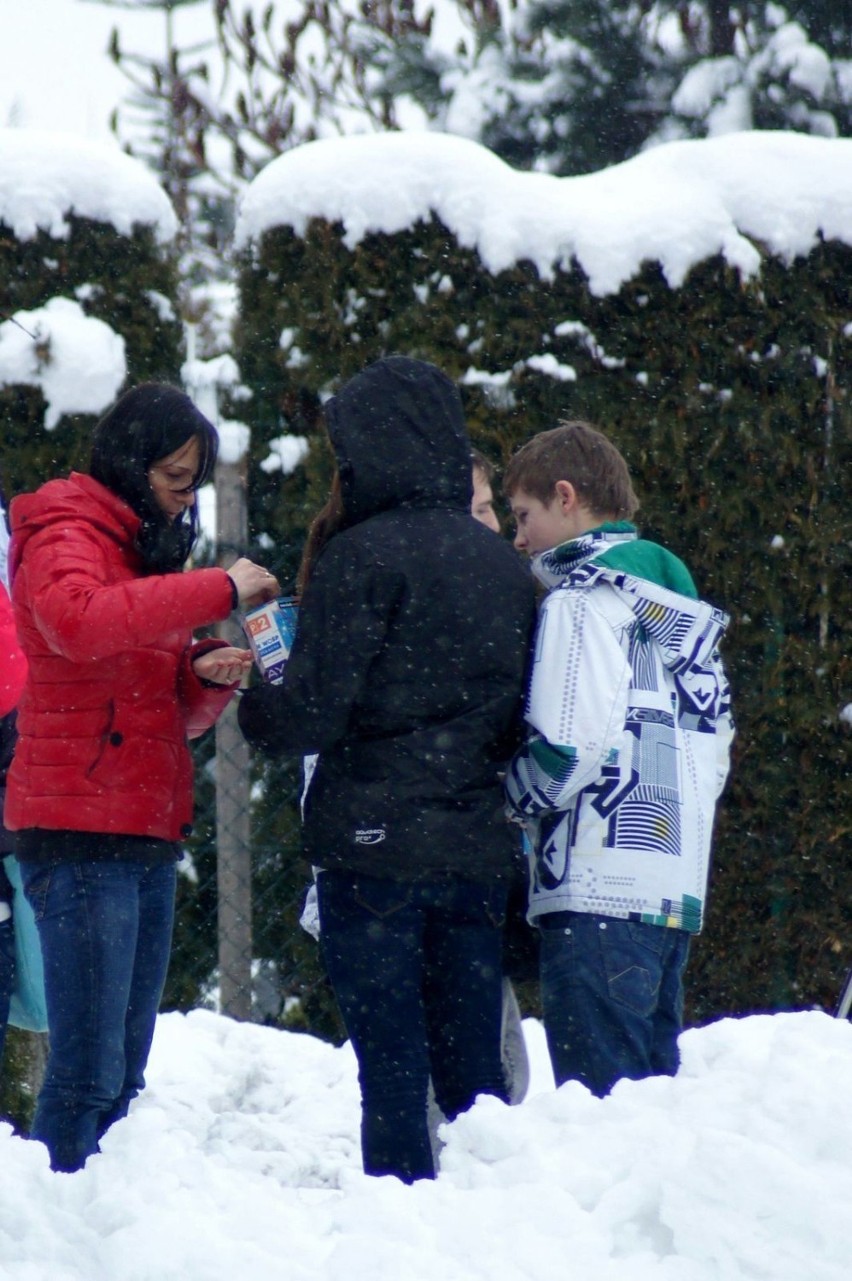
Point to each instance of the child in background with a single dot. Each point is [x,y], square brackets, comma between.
[520,951]
[629,731]
[482,501]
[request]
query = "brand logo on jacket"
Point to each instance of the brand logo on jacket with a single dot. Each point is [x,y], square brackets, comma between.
[369,835]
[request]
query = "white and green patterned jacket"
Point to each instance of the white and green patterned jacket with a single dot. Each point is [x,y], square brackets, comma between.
[629,734]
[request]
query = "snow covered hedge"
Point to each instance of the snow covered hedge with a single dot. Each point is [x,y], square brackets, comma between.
[693,302]
[87,283]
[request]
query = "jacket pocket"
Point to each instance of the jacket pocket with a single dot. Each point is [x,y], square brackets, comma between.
[109,737]
[632,961]
[35,880]
[380,898]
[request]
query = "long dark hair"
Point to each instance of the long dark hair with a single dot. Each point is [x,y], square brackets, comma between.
[328,520]
[148,423]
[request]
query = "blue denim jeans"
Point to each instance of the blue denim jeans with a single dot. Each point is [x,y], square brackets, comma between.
[105,929]
[612,998]
[416,970]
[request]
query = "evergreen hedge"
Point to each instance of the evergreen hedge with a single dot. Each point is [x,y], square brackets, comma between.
[115,278]
[730,400]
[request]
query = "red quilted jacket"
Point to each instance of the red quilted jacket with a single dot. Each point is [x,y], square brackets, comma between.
[111,698]
[13,664]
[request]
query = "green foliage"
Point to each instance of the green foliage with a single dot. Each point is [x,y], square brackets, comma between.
[20,1080]
[603,88]
[730,400]
[116,279]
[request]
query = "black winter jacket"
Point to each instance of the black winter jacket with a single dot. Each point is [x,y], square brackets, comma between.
[407,671]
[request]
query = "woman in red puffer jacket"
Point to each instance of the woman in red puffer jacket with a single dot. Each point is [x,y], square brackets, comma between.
[100,789]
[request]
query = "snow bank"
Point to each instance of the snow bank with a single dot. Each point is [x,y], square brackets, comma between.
[46,176]
[241,1161]
[676,204]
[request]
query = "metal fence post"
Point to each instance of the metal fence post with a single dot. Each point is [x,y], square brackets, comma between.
[233,833]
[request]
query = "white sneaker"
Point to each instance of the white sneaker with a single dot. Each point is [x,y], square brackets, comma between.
[513,1047]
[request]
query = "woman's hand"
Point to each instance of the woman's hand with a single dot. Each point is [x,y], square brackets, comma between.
[255,585]
[223,666]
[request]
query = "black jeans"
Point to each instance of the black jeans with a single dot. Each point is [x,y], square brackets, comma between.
[416,970]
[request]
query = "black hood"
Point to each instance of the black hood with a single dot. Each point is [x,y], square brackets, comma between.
[398,431]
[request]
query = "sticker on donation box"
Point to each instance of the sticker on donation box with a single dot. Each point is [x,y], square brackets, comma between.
[270,629]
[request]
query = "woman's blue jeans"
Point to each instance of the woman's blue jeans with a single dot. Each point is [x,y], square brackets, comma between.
[105,929]
[416,970]
[612,998]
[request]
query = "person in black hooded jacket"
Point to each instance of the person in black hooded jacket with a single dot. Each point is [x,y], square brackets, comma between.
[406,677]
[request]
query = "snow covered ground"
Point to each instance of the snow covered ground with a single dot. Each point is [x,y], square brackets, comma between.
[240,1162]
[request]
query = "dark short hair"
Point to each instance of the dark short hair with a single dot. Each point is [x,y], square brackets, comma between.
[148,423]
[479,462]
[577,452]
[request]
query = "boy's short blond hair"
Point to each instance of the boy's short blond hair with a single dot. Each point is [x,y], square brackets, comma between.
[577,452]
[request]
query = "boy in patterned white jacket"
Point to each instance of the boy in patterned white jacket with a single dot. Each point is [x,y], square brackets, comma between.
[629,732]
